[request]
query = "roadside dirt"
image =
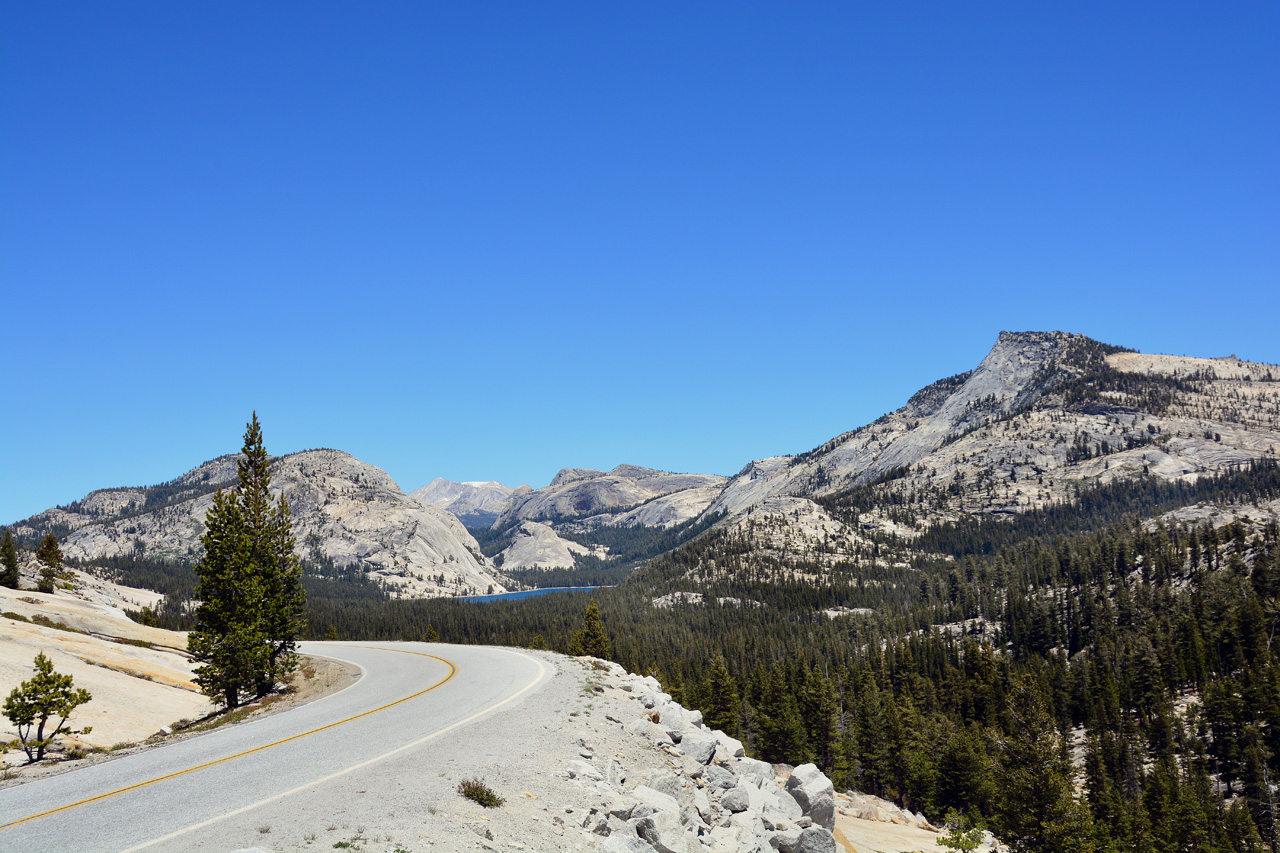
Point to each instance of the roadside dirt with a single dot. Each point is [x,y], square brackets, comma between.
[316,678]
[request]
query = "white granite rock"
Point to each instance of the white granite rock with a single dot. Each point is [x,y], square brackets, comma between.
[735,799]
[698,745]
[814,792]
[663,831]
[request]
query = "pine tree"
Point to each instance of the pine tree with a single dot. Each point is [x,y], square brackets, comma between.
[964,774]
[722,699]
[33,704]
[1257,787]
[250,586]
[871,736]
[269,528]
[782,734]
[960,834]
[844,772]
[227,640]
[10,575]
[50,557]
[591,638]
[818,709]
[1037,809]
[1239,831]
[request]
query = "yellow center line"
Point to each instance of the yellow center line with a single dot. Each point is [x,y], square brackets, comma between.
[453,670]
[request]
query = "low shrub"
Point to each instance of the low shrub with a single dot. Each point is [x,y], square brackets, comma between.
[477,791]
[41,619]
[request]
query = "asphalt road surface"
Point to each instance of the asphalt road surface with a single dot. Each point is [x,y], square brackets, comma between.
[411,697]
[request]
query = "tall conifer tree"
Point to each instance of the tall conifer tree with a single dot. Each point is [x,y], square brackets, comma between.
[722,700]
[1037,810]
[591,638]
[50,557]
[9,571]
[269,527]
[227,640]
[250,585]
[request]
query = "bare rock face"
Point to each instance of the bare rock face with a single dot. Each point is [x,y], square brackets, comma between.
[352,512]
[475,504]
[664,511]
[1042,414]
[344,510]
[1051,407]
[140,677]
[585,492]
[1004,380]
[536,546]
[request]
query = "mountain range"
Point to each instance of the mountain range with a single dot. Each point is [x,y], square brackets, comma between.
[1043,414]
[1043,591]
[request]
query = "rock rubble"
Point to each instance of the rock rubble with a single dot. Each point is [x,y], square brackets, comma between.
[709,797]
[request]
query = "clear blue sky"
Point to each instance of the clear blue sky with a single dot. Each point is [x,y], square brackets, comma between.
[487,241]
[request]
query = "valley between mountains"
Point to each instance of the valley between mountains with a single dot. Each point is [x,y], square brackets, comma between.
[1040,598]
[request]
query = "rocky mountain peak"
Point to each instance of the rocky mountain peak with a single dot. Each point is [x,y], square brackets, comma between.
[1057,406]
[572,475]
[474,503]
[583,492]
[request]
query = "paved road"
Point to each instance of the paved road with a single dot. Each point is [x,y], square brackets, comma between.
[411,694]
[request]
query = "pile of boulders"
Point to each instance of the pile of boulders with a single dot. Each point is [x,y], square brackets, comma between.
[866,807]
[709,796]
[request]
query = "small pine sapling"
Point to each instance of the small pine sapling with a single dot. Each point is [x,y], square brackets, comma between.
[960,836]
[591,638]
[34,703]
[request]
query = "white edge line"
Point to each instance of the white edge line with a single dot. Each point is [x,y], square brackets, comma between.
[542,671]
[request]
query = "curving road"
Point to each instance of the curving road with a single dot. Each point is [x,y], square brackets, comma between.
[412,697]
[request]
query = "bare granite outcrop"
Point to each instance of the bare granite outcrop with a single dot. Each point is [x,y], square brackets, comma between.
[344,510]
[1222,415]
[536,546]
[583,493]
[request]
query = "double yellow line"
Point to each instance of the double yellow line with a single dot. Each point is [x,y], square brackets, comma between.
[453,670]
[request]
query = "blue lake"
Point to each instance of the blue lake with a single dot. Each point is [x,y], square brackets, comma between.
[528,593]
